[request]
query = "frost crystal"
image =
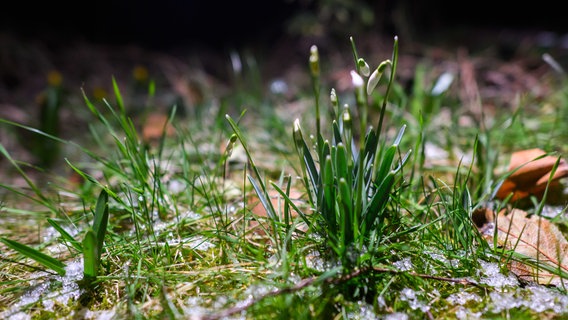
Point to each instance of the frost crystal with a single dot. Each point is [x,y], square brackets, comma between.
[494,277]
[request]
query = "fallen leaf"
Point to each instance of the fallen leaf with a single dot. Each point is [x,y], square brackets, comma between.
[533,236]
[531,174]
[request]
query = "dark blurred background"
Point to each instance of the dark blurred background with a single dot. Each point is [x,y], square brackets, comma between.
[60,47]
[160,24]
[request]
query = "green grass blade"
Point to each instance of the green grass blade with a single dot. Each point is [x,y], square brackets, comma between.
[371,143]
[119,100]
[287,215]
[65,235]
[329,195]
[292,204]
[310,165]
[346,217]
[342,165]
[263,199]
[378,201]
[309,169]
[98,114]
[386,163]
[40,197]
[39,257]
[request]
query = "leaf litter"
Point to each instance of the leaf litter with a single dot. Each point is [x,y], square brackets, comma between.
[532,236]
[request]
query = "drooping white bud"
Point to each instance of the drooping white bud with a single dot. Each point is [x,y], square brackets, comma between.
[236,62]
[363,67]
[376,76]
[356,79]
[443,83]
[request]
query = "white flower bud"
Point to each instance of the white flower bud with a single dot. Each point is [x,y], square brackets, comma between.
[363,67]
[356,79]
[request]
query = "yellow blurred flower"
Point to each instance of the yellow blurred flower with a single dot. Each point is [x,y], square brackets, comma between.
[54,78]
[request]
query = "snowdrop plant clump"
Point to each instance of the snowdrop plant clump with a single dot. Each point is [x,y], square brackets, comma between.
[351,176]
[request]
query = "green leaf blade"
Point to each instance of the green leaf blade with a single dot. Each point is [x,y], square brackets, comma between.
[41,258]
[101,219]
[65,235]
[90,255]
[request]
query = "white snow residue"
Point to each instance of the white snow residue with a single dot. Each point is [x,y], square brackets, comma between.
[50,233]
[70,290]
[396,316]
[177,186]
[28,298]
[413,300]
[193,308]
[493,277]
[537,298]
[439,257]
[547,299]
[504,301]
[404,264]
[363,312]
[16,316]
[40,290]
[100,314]
[315,261]
[462,298]
[462,313]
[200,243]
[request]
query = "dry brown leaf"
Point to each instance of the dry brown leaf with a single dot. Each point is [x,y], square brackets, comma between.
[531,176]
[533,236]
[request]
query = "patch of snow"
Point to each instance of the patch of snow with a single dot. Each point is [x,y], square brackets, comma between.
[50,233]
[364,312]
[413,300]
[439,257]
[200,243]
[462,313]
[100,314]
[504,301]
[396,316]
[404,264]
[17,316]
[315,261]
[493,276]
[536,298]
[40,290]
[176,186]
[462,298]
[543,298]
[193,308]
[551,211]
